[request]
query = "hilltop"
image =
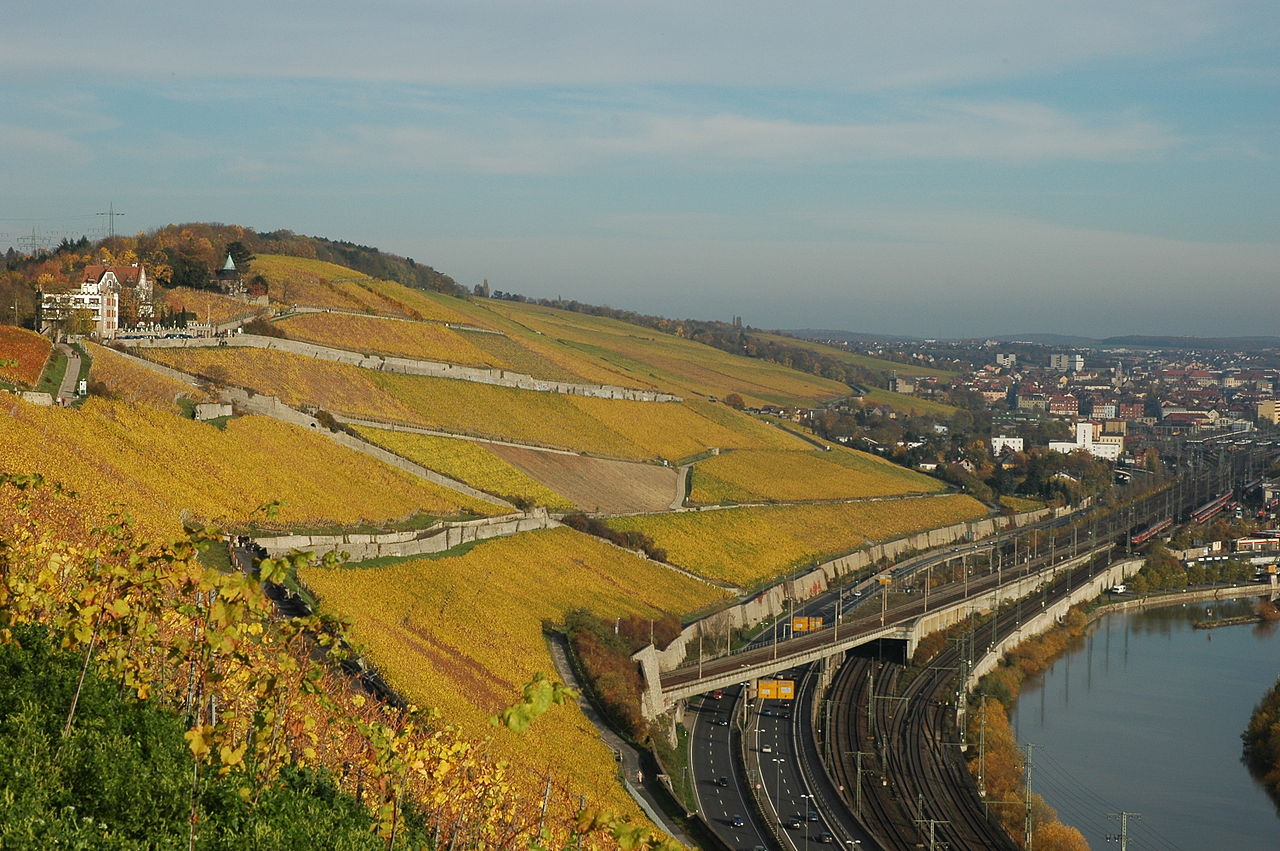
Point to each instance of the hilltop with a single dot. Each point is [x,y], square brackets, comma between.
[439,438]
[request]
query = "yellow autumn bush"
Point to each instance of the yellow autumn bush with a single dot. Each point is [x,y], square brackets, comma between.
[467,461]
[464,632]
[748,545]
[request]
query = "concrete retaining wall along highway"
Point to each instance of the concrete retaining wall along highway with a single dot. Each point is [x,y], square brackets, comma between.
[434,539]
[1047,618]
[407,366]
[774,601]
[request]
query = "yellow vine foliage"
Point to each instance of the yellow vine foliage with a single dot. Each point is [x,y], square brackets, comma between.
[171,631]
[674,431]
[670,362]
[610,427]
[433,341]
[748,545]
[293,379]
[754,475]
[467,461]
[131,382]
[159,466]
[532,352]
[22,355]
[209,306]
[463,632]
[423,304]
[316,283]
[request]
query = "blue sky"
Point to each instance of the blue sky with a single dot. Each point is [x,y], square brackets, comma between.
[927,168]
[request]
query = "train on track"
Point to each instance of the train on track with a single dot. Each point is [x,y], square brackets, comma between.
[1213,506]
[1140,538]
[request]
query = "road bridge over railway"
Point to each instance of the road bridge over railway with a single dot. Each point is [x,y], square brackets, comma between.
[900,627]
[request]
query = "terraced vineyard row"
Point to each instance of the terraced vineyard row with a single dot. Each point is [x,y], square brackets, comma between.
[469,462]
[610,427]
[749,545]
[754,475]
[22,356]
[164,468]
[463,632]
[123,379]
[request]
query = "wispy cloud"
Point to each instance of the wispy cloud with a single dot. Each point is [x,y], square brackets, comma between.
[1003,131]
[827,43]
[36,143]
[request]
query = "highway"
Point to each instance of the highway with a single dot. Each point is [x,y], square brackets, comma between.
[720,787]
[913,787]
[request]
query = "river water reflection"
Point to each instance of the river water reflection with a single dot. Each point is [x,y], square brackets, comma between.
[1145,716]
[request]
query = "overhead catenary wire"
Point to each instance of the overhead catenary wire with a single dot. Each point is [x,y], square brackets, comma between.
[1089,801]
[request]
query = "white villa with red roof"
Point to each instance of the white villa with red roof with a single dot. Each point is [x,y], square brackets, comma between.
[98,300]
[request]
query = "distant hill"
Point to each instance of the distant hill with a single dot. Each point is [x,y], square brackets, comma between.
[1238,344]
[1048,339]
[847,336]
[1138,341]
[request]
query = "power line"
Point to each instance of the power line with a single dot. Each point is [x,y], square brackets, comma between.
[49,218]
[111,218]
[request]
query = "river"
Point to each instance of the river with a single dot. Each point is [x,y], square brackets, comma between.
[1145,716]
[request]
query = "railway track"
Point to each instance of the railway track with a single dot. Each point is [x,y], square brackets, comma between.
[916,790]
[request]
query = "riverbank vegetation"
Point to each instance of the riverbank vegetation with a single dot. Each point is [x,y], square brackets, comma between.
[1262,742]
[1163,571]
[999,766]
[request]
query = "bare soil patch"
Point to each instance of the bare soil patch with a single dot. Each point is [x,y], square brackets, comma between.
[596,484]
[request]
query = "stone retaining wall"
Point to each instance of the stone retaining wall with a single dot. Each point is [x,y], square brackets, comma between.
[434,539]
[270,406]
[407,366]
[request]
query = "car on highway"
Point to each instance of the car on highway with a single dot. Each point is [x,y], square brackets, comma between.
[766,749]
[718,694]
[721,781]
[795,823]
[826,837]
[737,820]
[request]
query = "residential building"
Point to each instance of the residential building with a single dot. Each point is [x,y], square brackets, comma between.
[105,299]
[1089,438]
[1002,442]
[1066,362]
